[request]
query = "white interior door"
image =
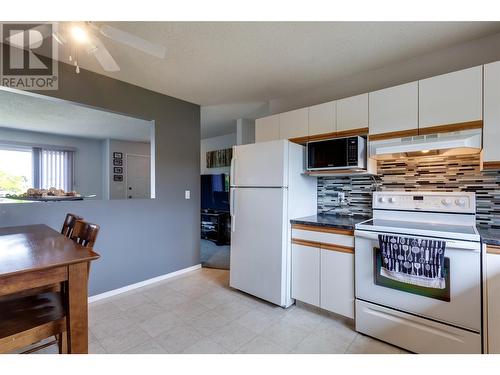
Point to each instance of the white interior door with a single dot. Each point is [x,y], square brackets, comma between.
[260,164]
[138,176]
[259,242]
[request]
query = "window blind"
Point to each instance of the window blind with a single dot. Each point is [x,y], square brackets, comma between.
[53,168]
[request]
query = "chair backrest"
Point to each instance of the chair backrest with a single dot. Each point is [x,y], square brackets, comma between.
[69,223]
[85,233]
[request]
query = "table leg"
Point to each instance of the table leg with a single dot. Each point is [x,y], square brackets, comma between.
[77,319]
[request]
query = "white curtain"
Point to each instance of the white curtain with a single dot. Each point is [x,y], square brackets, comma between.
[55,169]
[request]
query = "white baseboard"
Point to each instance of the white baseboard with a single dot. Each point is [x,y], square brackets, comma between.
[130,287]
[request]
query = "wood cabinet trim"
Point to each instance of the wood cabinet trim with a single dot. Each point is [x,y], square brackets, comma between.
[493,249]
[451,127]
[298,241]
[313,228]
[324,136]
[352,132]
[396,134]
[323,246]
[491,165]
[299,140]
[338,248]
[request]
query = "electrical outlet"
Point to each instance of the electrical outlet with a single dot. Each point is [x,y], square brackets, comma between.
[187,194]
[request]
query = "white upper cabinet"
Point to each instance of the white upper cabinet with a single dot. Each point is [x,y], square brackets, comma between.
[352,113]
[322,118]
[451,98]
[294,124]
[267,128]
[394,109]
[491,129]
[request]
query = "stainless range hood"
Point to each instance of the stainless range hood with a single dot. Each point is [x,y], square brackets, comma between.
[455,143]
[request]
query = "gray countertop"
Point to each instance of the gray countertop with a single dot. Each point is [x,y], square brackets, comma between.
[489,236]
[332,221]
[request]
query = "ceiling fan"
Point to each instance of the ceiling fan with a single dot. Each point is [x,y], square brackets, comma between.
[86,35]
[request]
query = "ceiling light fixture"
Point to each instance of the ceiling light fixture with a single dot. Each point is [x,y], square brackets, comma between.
[425,151]
[79,34]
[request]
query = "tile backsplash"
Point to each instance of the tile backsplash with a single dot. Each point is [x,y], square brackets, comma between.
[426,173]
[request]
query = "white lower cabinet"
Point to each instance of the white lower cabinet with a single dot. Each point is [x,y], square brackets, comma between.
[323,269]
[493,298]
[305,273]
[337,282]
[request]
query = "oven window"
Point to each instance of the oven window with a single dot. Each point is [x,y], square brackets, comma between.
[440,294]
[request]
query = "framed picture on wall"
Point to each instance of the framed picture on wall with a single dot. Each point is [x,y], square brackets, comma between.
[118,178]
[118,162]
[118,170]
[117,155]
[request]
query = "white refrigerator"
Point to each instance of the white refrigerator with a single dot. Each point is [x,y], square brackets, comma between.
[268,188]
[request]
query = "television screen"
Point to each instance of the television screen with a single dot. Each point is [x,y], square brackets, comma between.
[214,192]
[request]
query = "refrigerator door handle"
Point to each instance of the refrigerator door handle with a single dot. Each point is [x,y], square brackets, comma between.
[231,171]
[232,193]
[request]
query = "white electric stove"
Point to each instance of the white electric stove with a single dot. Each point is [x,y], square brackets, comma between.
[419,319]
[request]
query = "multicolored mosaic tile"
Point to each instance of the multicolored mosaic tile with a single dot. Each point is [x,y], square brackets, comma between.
[426,173]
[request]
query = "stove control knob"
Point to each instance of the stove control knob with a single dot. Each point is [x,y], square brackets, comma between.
[460,202]
[382,199]
[392,200]
[445,201]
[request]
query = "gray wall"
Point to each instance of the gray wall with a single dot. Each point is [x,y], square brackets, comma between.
[139,239]
[117,190]
[88,156]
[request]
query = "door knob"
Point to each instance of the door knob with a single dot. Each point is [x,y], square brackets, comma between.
[130,187]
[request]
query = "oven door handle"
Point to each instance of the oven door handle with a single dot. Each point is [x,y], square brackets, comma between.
[450,244]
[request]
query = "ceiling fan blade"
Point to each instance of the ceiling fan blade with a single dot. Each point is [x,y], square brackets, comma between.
[59,38]
[103,56]
[133,41]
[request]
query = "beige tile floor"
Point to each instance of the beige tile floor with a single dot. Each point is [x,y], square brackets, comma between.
[199,313]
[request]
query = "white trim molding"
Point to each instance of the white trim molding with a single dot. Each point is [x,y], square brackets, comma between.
[140,284]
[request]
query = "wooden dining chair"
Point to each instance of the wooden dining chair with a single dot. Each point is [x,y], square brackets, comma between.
[85,233]
[27,320]
[69,224]
[30,319]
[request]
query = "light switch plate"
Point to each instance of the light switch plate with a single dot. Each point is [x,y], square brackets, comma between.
[187,194]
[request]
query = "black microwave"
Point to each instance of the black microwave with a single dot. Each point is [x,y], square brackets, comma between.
[338,153]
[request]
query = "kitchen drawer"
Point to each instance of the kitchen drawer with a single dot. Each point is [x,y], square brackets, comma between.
[342,237]
[414,333]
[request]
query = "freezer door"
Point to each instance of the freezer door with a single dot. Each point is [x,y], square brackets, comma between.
[259,243]
[263,164]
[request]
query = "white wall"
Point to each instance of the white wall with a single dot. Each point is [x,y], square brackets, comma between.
[212,144]
[461,56]
[245,131]
[88,175]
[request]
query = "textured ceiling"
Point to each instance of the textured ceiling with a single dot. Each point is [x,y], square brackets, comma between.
[27,112]
[213,63]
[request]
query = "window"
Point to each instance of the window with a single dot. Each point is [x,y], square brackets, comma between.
[24,167]
[16,170]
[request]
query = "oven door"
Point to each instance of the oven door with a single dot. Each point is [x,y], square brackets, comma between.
[458,304]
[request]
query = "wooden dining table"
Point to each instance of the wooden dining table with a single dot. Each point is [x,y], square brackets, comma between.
[33,256]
